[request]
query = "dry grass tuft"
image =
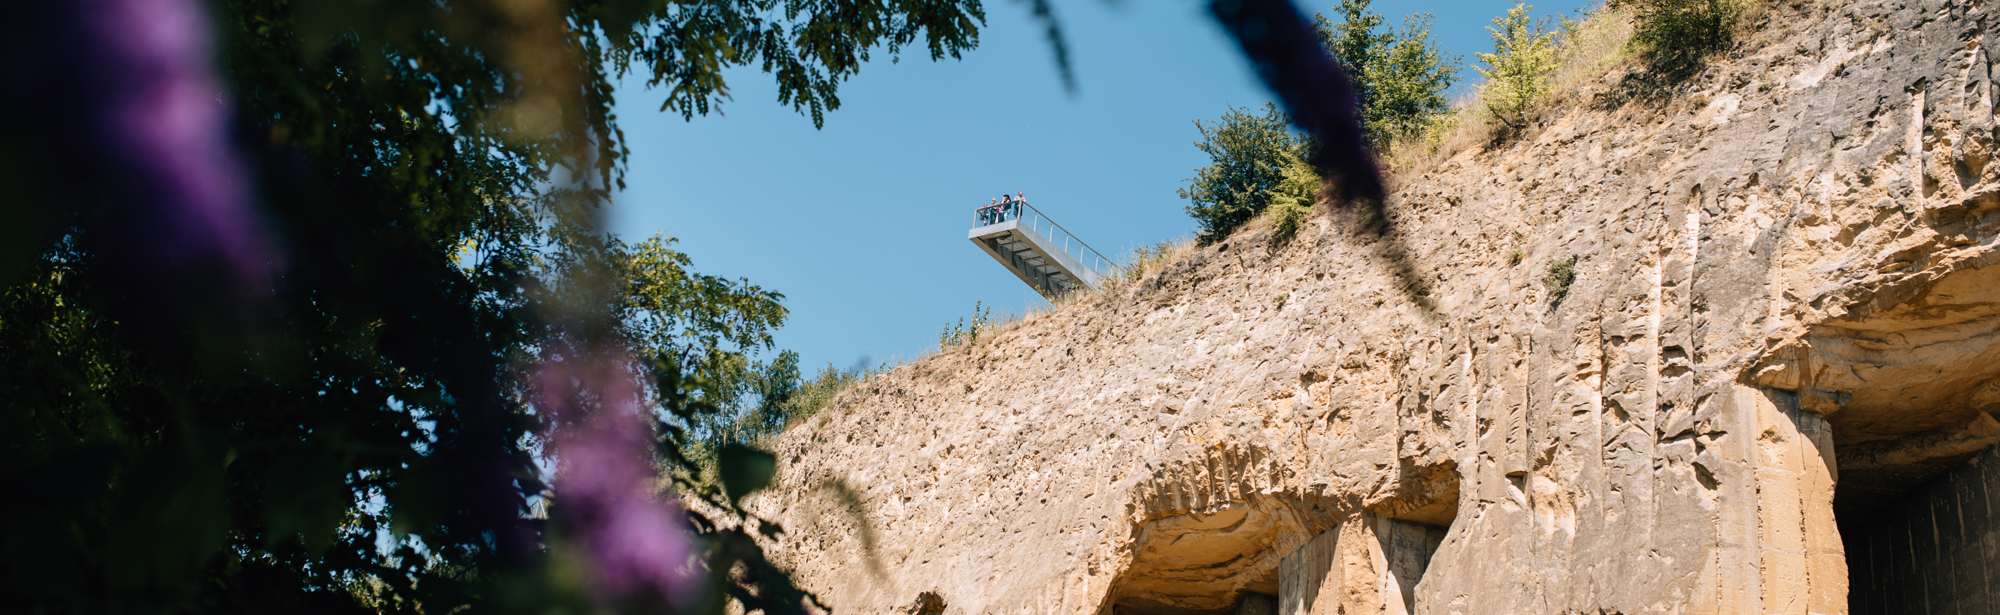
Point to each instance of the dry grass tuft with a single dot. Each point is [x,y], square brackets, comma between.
[1152,259]
[1140,262]
[1592,48]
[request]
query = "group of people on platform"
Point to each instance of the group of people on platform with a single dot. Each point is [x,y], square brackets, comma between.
[1007,207]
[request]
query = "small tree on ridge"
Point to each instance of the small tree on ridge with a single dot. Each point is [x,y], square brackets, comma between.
[1517,72]
[1248,156]
[1401,74]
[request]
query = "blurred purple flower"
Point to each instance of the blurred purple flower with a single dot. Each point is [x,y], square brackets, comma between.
[1286,52]
[129,101]
[603,445]
[165,122]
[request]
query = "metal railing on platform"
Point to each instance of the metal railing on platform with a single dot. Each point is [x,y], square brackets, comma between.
[1034,220]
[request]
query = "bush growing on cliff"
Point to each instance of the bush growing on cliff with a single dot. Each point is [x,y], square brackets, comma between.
[1401,74]
[1257,164]
[1249,157]
[1410,82]
[1292,200]
[1517,72]
[1353,41]
[1587,47]
[1675,37]
[1562,273]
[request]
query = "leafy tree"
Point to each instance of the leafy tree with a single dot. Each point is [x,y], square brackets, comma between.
[221,403]
[697,318]
[815,394]
[1517,72]
[750,398]
[1354,40]
[776,384]
[711,325]
[1248,156]
[1402,74]
[339,279]
[1409,81]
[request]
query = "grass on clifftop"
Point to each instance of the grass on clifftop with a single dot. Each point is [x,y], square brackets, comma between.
[1657,44]
[1585,50]
[984,326]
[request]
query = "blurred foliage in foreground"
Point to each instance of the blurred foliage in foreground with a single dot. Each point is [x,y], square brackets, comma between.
[344,423]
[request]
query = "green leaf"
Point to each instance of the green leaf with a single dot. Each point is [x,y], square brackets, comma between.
[745,470]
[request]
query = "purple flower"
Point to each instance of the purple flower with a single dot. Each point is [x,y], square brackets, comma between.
[165,123]
[126,103]
[602,442]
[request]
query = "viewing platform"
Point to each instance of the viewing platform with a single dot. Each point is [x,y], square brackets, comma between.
[1039,251]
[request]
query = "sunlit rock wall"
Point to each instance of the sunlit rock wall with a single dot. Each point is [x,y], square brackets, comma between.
[1778,268]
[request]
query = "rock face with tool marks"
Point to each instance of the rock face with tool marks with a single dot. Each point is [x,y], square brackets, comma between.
[1782,324]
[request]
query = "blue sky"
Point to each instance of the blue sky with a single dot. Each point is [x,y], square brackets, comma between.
[862,224]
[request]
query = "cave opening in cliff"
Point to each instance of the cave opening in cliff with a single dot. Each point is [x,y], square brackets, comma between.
[1220,559]
[1375,561]
[1407,548]
[1279,556]
[1907,384]
[1409,531]
[1932,550]
[1921,528]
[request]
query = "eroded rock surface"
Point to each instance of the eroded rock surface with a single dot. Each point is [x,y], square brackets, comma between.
[1782,301]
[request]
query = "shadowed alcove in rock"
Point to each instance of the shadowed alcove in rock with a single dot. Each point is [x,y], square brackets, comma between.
[1908,381]
[1271,556]
[1220,560]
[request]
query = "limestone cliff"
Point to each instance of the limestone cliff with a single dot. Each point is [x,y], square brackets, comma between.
[1782,321]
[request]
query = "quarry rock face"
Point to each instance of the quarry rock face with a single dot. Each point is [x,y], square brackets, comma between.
[1768,388]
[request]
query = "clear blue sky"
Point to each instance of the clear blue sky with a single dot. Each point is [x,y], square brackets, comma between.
[862,224]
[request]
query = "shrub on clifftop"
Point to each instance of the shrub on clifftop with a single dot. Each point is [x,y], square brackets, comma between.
[1401,74]
[1517,72]
[1248,157]
[1676,36]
